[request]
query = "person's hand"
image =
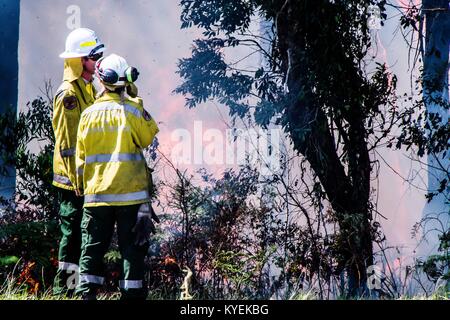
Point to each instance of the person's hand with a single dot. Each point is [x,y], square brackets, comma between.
[132,90]
[144,226]
[78,193]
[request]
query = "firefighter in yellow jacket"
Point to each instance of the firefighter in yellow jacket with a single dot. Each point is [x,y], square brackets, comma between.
[113,176]
[75,94]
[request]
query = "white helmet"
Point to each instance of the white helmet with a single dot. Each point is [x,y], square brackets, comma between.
[82,42]
[114,71]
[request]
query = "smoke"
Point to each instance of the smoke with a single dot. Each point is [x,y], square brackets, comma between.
[148,35]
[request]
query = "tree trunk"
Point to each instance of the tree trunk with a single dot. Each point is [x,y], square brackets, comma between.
[308,126]
[9,66]
[349,197]
[435,84]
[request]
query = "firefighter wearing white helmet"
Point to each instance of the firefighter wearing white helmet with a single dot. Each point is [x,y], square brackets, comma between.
[75,94]
[115,181]
[82,42]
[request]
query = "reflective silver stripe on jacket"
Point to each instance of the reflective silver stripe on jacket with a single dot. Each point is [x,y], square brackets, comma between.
[67,152]
[130,284]
[62,179]
[115,157]
[89,278]
[109,129]
[106,106]
[67,266]
[121,197]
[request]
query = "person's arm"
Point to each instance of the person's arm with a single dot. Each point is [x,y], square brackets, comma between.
[80,160]
[132,90]
[148,129]
[65,123]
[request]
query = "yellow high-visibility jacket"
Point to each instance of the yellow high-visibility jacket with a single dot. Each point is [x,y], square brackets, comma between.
[71,98]
[111,169]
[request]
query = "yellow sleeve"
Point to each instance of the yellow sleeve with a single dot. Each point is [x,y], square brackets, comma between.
[146,127]
[80,158]
[148,130]
[66,115]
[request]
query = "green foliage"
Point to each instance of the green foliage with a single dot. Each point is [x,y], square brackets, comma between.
[426,132]
[329,55]
[209,72]
[32,240]
[220,234]
[112,256]
[232,265]
[28,228]
[217,16]
[437,266]
[8,260]
[34,193]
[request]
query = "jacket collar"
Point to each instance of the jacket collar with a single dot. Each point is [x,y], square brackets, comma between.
[109,96]
[88,96]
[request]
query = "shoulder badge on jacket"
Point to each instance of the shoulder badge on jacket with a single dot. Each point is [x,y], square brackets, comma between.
[70,102]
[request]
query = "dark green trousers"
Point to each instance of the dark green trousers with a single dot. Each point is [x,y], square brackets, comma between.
[97,228]
[70,213]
